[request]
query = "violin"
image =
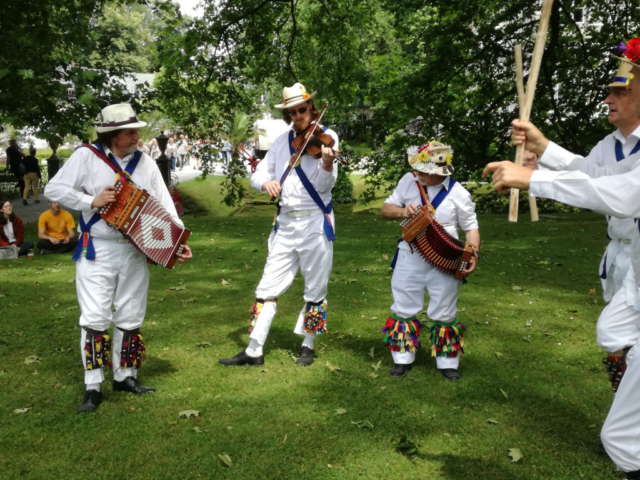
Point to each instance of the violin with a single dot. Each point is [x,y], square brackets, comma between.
[312,139]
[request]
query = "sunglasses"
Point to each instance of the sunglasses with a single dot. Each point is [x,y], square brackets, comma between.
[292,113]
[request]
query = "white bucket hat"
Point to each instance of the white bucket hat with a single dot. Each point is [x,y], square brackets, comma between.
[294,95]
[117,117]
[433,158]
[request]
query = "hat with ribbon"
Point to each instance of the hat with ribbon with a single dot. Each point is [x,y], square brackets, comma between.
[294,95]
[433,158]
[629,52]
[117,117]
[623,77]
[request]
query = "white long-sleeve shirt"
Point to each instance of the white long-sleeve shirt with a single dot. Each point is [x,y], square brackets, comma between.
[84,176]
[456,210]
[294,196]
[600,161]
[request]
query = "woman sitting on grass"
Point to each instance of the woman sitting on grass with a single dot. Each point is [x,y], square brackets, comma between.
[12,230]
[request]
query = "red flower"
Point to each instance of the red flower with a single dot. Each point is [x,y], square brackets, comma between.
[633,50]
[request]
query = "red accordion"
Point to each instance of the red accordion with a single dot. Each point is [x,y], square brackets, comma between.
[435,245]
[146,223]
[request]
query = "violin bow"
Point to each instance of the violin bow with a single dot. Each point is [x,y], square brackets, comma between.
[296,158]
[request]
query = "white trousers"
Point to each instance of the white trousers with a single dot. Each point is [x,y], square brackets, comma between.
[299,244]
[413,276]
[618,323]
[621,431]
[118,277]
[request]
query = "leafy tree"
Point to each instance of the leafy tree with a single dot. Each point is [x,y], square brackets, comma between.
[382,63]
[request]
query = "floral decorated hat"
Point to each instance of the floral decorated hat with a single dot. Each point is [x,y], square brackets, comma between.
[629,52]
[433,158]
[294,95]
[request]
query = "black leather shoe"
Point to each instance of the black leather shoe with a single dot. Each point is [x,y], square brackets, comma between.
[400,369]
[306,357]
[242,359]
[92,399]
[451,374]
[131,385]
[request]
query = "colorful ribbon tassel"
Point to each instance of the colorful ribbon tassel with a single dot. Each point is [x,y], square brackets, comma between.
[447,340]
[402,335]
[133,351]
[255,311]
[97,351]
[315,319]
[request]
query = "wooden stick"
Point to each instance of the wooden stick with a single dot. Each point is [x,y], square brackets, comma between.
[533,205]
[538,52]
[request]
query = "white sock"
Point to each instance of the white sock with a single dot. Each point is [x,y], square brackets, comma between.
[254,349]
[93,386]
[308,342]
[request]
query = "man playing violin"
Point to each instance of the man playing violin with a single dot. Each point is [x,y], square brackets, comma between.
[303,232]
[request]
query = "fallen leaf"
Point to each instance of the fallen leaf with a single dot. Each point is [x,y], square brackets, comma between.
[340,411]
[492,422]
[198,430]
[205,345]
[516,288]
[385,256]
[189,413]
[592,291]
[133,409]
[285,438]
[498,354]
[176,289]
[37,283]
[505,394]
[371,354]
[32,359]
[225,459]
[405,446]
[377,366]
[21,410]
[515,455]
[332,368]
[224,282]
[363,424]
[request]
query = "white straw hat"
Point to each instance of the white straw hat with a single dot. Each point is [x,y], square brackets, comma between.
[294,95]
[117,117]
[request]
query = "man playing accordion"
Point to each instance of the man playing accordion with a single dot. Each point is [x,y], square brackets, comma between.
[430,186]
[112,276]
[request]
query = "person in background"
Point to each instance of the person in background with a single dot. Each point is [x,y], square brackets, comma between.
[32,175]
[181,150]
[142,147]
[14,158]
[171,152]
[56,231]
[12,230]
[154,149]
[177,199]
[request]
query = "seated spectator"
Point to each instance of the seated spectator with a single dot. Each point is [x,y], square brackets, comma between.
[12,231]
[56,231]
[32,175]
[177,199]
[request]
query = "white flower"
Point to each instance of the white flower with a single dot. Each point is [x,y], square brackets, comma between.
[431,168]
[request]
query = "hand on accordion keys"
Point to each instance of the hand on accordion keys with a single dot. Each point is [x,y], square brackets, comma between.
[473,263]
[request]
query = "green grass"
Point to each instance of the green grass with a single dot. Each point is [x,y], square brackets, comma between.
[278,421]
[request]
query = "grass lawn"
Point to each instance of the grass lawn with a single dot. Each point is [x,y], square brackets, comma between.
[532,375]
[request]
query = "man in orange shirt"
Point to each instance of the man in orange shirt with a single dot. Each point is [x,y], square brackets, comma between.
[56,231]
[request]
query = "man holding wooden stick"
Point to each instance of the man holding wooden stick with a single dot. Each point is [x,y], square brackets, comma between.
[616,326]
[615,195]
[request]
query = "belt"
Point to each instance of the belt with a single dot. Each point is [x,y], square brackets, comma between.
[302,213]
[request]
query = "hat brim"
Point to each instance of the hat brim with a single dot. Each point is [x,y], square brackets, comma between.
[423,168]
[121,127]
[282,106]
[626,60]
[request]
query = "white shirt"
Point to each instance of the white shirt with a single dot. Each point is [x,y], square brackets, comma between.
[181,147]
[8,231]
[84,176]
[456,210]
[294,196]
[595,164]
